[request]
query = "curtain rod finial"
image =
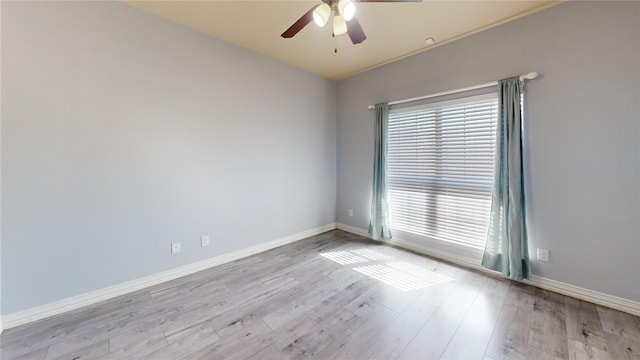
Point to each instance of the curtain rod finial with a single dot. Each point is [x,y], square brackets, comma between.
[530,76]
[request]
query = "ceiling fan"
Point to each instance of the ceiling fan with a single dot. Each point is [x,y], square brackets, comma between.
[344,20]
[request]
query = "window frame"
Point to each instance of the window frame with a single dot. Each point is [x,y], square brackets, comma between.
[435,104]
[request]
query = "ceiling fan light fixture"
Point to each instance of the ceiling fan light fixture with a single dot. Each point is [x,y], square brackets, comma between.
[339,25]
[347,9]
[344,20]
[321,14]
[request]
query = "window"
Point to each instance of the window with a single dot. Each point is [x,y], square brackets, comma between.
[440,168]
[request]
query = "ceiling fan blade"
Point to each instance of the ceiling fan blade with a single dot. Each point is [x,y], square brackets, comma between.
[298,25]
[355,31]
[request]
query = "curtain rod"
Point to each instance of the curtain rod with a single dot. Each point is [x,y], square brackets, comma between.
[529,76]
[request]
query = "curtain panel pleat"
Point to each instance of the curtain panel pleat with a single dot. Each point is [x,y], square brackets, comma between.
[506,249]
[379,222]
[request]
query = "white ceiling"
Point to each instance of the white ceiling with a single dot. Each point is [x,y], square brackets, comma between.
[394,30]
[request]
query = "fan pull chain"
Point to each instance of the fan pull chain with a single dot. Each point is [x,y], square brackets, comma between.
[335,42]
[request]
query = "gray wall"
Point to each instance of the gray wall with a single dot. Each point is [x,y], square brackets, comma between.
[583,132]
[123,132]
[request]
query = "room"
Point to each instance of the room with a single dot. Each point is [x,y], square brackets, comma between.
[123,132]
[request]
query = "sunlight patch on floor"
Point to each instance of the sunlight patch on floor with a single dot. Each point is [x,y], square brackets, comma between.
[372,254]
[424,275]
[399,274]
[343,257]
[403,276]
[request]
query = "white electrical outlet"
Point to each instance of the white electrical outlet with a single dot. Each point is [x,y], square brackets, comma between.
[543,255]
[176,248]
[350,212]
[204,240]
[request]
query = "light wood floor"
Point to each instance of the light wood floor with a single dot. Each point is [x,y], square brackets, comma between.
[333,296]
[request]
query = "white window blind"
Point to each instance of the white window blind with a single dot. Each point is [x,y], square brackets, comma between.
[440,169]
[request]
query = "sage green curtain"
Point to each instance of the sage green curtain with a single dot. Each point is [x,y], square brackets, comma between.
[506,250]
[379,223]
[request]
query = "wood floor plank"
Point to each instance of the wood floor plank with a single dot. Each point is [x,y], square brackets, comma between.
[398,331]
[22,340]
[238,342]
[433,338]
[584,330]
[342,298]
[619,323]
[510,336]
[184,343]
[139,349]
[166,309]
[268,353]
[548,328]
[376,324]
[291,331]
[284,314]
[471,339]
[333,296]
[580,350]
[38,354]
[97,350]
[80,334]
[324,337]
[51,327]
[623,348]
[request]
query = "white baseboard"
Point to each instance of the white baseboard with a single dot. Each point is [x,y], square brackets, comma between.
[610,301]
[79,301]
[353,230]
